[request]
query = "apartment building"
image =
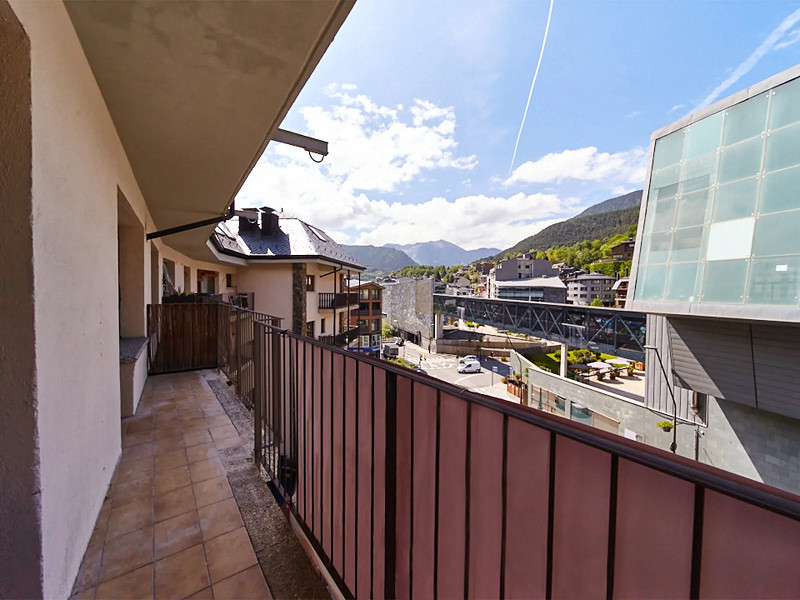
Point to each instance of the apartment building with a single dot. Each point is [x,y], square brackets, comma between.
[368,317]
[717,262]
[586,287]
[294,271]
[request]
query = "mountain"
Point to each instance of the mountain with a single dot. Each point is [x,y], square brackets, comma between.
[379,261]
[577,229]
[442,253]
[629,200]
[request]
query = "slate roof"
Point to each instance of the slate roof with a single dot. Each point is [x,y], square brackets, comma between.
[295,238]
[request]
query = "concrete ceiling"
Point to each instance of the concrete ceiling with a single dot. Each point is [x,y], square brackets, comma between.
[197,88]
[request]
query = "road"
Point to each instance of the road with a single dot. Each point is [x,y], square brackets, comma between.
[444,367]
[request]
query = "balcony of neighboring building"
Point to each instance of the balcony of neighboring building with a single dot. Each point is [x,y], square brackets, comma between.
[367,309]
[334,301]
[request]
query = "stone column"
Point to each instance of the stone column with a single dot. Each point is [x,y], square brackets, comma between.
[563,370]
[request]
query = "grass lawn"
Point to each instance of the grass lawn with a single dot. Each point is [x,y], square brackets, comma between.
[548,362]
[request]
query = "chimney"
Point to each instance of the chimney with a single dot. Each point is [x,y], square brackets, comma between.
[249,225]
[269,222]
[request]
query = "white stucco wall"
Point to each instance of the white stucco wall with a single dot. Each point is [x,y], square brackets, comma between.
[78,162]
[271,285]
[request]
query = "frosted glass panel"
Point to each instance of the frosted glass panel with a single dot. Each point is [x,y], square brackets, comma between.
[774,281]
[668,150]
[683,282]
[780,191]
[740,161]
[777,234]
[692,208]
[665,179]
[704,136]
[724,281]
[783,148]
[686,244]
[650,283]
[785,107]
[745,120]
[698,173]
[658,251]
[730,239]
[736,200]
[663,214]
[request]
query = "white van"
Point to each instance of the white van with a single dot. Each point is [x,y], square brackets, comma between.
[469,366]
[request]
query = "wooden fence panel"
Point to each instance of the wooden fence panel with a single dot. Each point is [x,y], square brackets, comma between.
[182,337]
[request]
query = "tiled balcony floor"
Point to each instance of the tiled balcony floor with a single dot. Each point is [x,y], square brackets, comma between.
[170,527]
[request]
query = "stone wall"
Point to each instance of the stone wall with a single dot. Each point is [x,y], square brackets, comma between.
[299,311]
[408,305]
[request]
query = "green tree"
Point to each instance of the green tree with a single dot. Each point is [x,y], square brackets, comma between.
[387,330]
[596,302]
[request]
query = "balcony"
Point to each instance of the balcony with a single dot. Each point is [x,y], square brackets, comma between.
[330,301]
[341,339]
[404,485]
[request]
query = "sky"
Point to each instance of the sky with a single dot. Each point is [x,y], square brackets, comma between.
[421,103]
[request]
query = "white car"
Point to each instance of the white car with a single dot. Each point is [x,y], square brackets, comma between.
[467,358]
[469,366]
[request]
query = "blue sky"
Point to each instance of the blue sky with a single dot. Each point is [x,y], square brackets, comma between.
[421,103]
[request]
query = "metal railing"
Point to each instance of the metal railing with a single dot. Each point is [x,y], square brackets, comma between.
[340,339]
[409,486]
[330,301]
[235,347]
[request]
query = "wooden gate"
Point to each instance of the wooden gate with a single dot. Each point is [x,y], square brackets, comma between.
[182,337]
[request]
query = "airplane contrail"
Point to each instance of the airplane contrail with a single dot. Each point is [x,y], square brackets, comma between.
[533,83]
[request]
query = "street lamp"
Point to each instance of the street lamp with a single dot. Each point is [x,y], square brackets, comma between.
[674,445]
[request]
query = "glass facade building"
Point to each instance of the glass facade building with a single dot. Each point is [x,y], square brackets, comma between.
[721,223]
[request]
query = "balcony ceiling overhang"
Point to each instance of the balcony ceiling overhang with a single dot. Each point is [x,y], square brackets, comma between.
[197,88]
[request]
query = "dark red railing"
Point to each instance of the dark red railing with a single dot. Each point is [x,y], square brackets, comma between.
[329,301]
[410,487]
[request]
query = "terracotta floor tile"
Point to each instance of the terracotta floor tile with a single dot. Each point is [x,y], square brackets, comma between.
[196,424]
[218,421]
[247,585]
[131,469]
[207,469]
[124,493]
[176,534]
[218,518]
[182,574]
[205,594]
[211,491]
[170,460]
[167,445]
[136,584]
[87,594]
[173,503]
[200,452]
[197,437]
[126,553]
[138,424]
[229,553]
[127,517]
[89,572]
[234,442]
[140,451]
[167,433]
[226,431]
[135,439]
[167,481]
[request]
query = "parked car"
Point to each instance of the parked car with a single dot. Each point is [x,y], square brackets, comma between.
[420,370]
[467,358]
[399,341]
[390,350]
[469,366]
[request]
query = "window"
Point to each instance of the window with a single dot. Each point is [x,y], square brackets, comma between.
[363,325]
[376,294]
[322,326]
[376,325]
[229,280]
[363,294]
[700,405]
[309,283]
[310,329]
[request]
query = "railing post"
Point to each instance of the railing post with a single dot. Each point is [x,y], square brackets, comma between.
[259,332]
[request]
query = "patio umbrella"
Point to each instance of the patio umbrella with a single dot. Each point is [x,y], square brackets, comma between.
[599,365]
[579,367]
[618,361]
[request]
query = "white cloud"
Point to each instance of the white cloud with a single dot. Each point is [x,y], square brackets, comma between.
[675,107]
[584,164]
[776,40]
[374,151]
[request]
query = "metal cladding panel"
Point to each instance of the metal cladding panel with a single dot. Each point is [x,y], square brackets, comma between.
[485,512]
[316,442]
[776,357]
[423,555]
[326,418]
[747,551]
[580,520]
[528,471]
[351,525]
[337,459]
[714,358]
[657,394]
[364,474]
[646,547]
[404,520]
[379,484]
[452,497]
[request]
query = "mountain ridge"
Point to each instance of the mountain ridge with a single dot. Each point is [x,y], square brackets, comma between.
[441,252]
